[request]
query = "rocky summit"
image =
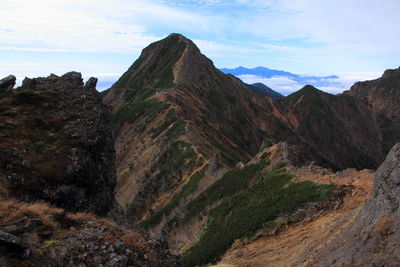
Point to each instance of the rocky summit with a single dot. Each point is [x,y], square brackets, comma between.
[179,164]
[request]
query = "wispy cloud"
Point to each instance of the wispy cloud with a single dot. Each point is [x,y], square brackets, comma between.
[302,36]
[86,25]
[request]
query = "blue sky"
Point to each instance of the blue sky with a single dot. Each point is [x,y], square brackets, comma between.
[354,39]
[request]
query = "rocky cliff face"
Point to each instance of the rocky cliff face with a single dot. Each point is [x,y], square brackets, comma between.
[372,240]
[382,96]
[57,147]
[56,144]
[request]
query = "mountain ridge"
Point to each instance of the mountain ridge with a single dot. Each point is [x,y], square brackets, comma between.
[212,124]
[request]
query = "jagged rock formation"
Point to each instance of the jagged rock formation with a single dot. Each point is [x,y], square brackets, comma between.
[7,83]
[56,144]
[372,240]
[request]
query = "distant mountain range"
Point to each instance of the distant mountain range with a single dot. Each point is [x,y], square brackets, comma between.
[266,73]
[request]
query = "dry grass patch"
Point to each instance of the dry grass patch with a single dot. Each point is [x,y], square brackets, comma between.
[11,209]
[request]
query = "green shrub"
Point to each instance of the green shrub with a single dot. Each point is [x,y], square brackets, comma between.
[267,143]
[242,215]
[231,183]
[188,189]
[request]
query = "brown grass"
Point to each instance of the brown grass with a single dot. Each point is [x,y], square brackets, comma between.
[11,209]
[134,240]
[58,219]
[51,216]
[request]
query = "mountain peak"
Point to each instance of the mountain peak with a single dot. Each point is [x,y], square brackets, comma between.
[177,36]
[306,91]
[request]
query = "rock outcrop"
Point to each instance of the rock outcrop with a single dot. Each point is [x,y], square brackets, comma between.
[57,145]
[7,83]
[372,240]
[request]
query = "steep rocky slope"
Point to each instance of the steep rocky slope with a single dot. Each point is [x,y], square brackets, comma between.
[338,129]
[372,240]
[382,96]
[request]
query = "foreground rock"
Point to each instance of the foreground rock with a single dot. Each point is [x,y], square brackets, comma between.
[40,235]
[56,144]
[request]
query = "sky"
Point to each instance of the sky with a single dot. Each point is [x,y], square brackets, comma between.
[354,39]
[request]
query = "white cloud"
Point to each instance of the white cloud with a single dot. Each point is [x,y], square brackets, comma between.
[86,25]
[366,25]
[285,85]
[281,84]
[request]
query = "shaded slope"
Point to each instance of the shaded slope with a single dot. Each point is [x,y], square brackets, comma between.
[264,90]
[383,98]
[338,128]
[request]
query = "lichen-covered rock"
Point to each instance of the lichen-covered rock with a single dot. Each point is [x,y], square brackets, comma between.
[56,144]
